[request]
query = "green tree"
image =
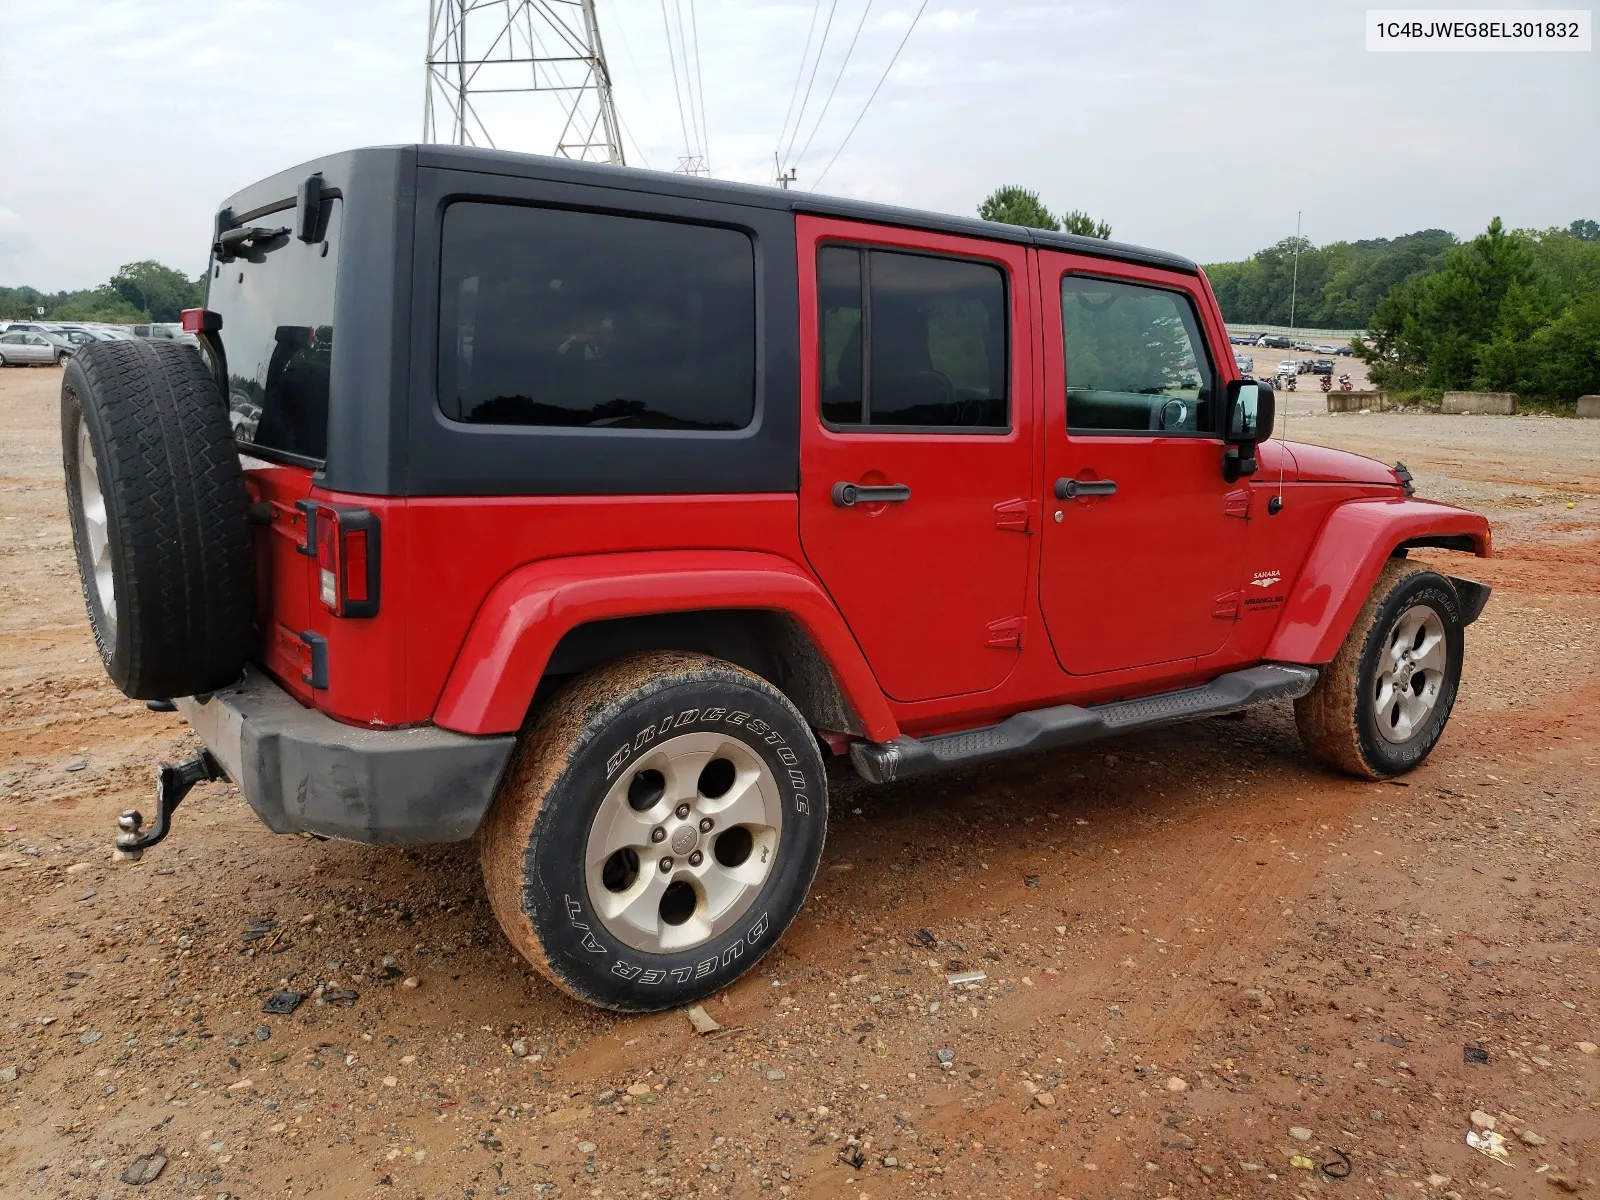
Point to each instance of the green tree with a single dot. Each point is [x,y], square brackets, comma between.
[1339,286]
[1080,222]
[157,290]
[1514,311]
[1585,231]
[1017,206]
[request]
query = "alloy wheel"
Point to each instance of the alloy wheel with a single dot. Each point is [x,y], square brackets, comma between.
[683,842]
[1410,673]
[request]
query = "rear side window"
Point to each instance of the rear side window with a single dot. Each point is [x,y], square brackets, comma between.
[1135,359]
[558,318]
[276,301]
[926,350]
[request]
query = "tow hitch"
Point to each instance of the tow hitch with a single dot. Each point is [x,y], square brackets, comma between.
[173,782]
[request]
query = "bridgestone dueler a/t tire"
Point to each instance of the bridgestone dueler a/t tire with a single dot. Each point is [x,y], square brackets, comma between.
[1338,719]
[176,517]
[533,844]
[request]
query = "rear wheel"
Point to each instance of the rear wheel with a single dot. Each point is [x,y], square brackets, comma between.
[1380,706]
[657,831]
[158,508]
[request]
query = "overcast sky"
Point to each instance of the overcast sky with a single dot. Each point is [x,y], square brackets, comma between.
[1198,128]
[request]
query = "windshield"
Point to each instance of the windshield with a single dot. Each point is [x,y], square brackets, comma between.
[276,301]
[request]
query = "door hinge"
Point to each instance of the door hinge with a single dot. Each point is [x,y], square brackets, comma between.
[1016,515]
[1226,605]
[1006,634]
[1237,503]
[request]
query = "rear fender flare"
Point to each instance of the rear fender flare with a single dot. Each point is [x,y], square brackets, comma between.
[527,613]
[1355,541]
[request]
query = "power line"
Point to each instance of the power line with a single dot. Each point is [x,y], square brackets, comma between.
[849,50]
[699,81]
[672,59]
[637,78]
[794,92]
[822,47]
[871,98]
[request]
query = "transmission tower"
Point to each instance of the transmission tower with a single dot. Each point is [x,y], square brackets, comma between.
[490,48]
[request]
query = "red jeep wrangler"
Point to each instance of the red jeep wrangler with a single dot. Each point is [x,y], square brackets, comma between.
[592,510]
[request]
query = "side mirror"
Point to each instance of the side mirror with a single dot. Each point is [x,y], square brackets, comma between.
[1248,413]
[1250,410]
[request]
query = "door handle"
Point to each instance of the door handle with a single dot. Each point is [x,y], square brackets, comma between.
[848,495]
[1071,489]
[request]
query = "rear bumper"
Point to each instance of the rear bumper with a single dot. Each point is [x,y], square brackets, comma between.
[304,772]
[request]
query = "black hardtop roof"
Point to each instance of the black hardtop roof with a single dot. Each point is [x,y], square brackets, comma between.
[540,166]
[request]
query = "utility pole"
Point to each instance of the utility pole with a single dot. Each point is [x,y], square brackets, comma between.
[516,47]
[784,178]
[1294,283]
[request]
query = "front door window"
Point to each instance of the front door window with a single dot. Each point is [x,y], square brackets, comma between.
[1135,360]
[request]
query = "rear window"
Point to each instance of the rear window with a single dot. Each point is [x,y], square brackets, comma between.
[276,302]
[585,320]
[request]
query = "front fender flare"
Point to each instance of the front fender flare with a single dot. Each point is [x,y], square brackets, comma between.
[529,611]
[1355,541]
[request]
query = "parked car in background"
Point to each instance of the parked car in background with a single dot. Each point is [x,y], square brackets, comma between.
[1325,349]
[1246,363]
[1344,351]
[1289,366]
[27,348]
[1242,339]
[164,332]
[1322,366]
[1277,343]
[1305,347]
[76,336]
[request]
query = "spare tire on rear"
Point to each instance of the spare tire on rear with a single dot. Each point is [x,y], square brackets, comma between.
[160,517]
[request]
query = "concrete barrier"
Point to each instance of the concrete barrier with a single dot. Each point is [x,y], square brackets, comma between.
[1589,406]
[1356,401]
[1500,404]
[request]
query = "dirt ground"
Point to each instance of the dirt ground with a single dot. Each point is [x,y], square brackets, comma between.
[1213,968]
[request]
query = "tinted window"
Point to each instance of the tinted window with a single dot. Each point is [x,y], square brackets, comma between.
[550,317]
[276,302]
[932,340]
[1135,360]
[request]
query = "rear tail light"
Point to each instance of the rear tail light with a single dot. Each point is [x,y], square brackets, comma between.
[200,320]
[347,560]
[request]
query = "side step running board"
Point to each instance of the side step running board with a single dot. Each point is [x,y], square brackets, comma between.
[1068,724]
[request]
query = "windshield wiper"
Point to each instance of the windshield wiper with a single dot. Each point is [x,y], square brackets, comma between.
[253,237]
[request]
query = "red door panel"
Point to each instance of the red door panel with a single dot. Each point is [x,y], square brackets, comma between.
[932,586]
[1148,573]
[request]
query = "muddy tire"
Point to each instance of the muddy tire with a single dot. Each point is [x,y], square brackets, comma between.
[1379,708]
[657,831]
[159,515]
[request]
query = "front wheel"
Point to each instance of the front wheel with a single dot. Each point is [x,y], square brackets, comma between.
[657,831]
[1380,706]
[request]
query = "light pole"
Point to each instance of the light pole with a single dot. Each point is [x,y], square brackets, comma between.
[1294,282]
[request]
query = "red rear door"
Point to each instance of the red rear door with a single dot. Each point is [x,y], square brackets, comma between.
[1140,566]
[916,428]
